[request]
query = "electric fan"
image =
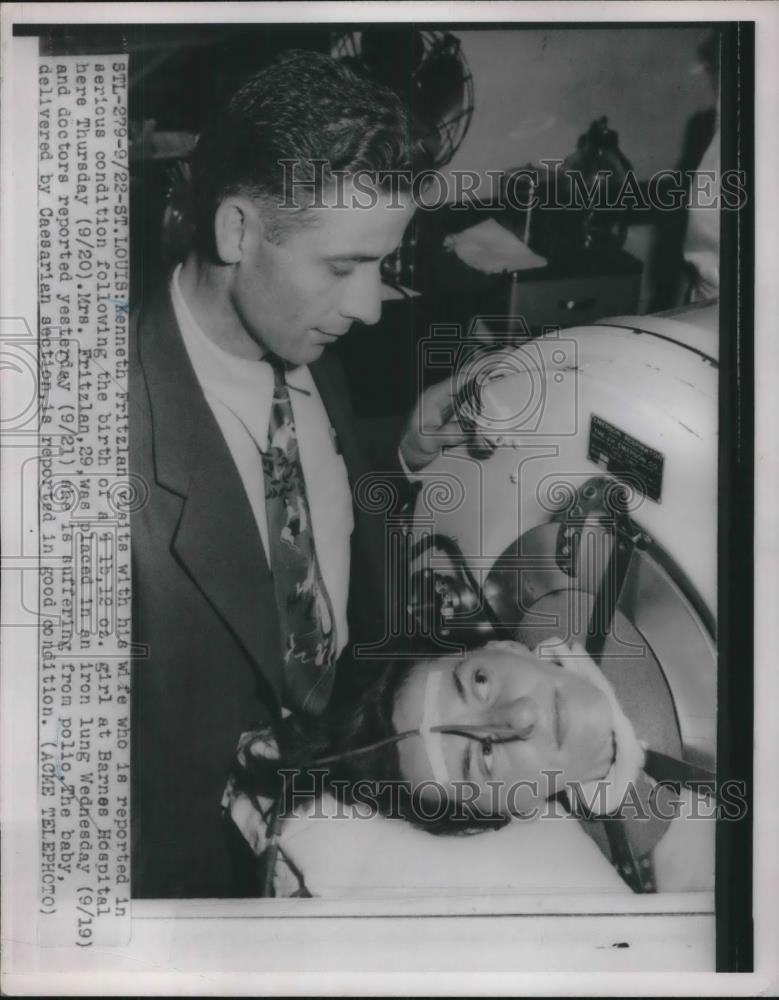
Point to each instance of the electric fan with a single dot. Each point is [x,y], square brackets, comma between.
[428,71]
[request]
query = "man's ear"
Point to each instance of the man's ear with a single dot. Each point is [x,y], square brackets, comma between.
[236,225]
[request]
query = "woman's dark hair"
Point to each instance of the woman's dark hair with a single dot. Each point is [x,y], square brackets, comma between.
[372,777]
[303,107]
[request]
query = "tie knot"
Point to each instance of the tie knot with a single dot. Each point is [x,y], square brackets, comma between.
[279,374]
[278,365]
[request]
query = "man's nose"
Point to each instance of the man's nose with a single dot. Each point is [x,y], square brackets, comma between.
[362,300]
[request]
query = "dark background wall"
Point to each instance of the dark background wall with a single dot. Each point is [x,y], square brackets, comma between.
[537,90]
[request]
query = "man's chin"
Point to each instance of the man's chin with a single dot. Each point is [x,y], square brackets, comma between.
[314,353]
[304,356]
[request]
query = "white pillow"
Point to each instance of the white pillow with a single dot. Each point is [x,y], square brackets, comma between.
[342,854]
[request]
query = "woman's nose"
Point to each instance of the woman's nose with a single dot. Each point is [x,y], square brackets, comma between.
[523,716]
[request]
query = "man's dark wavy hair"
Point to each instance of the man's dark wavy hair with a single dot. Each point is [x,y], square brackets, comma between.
[304,106]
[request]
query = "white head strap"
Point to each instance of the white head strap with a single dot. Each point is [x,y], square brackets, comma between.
[430,717]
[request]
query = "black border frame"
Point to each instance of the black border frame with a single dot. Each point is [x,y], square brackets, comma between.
[735,700]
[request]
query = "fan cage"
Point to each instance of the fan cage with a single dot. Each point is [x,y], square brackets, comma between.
[451,130]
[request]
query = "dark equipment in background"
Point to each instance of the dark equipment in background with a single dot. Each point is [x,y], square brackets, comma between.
[579,212]
[429,73]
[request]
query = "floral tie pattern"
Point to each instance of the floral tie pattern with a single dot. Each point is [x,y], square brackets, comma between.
[305,612]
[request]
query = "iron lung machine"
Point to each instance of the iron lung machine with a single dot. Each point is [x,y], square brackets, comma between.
[586,506]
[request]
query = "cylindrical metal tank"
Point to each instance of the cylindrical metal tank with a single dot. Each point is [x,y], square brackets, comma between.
[603,466]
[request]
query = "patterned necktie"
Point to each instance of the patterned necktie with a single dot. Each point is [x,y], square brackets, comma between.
[305,612]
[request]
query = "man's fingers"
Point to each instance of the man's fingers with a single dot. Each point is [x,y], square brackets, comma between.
[447,401]
[451,434]
[446,411]
[454,433]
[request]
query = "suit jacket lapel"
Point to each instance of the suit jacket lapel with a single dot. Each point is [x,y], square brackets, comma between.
[216,539]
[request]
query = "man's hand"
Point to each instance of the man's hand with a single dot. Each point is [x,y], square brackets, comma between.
[434,424]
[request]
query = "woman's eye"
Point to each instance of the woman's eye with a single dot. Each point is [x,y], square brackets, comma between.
[481,684]
[488,757]
[340,272]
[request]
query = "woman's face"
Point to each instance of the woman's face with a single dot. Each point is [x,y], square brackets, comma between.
[564,720]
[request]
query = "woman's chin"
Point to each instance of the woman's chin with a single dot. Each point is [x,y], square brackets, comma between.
[590,714]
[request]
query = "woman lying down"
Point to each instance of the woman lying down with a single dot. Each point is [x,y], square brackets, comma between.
[527,752]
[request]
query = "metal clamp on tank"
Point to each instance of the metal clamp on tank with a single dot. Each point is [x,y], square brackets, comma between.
[448,602]
[600,502]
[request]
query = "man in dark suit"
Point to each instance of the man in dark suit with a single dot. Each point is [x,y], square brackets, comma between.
[253,571]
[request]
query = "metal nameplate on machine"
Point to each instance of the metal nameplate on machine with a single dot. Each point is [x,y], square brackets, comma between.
[622,454]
